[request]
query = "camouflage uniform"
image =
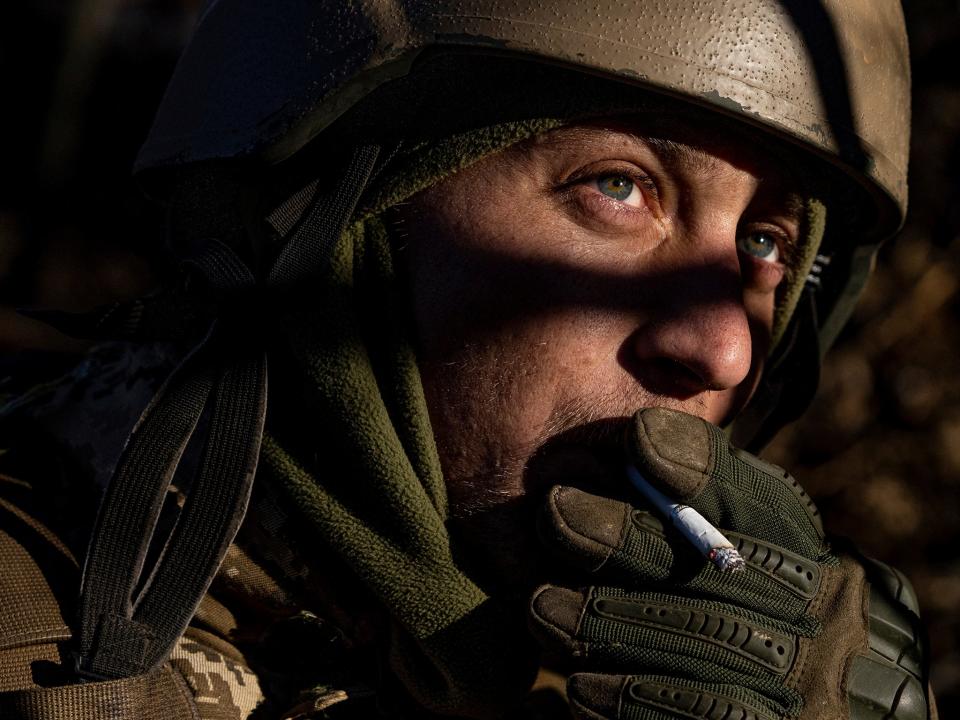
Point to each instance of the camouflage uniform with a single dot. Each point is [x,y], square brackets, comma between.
[269,626]
[77,423]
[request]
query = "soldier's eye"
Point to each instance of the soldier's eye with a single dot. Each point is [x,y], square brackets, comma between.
[761,244]
[621,188]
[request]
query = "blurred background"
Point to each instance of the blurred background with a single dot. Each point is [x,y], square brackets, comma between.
[880,449]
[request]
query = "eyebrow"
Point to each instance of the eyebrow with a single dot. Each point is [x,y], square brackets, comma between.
[696,160]
[683,156]
[680,154]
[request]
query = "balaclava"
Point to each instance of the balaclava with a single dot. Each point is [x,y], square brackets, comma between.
[373,493]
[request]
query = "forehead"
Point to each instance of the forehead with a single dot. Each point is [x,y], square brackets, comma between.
[682,141]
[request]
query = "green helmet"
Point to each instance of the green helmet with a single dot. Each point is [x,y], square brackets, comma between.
[264,82]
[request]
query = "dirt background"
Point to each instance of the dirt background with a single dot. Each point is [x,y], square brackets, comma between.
[880,449]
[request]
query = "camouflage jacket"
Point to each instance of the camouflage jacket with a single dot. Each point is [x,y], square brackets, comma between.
[282,633]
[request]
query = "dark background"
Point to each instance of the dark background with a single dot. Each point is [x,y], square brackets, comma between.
[880,449]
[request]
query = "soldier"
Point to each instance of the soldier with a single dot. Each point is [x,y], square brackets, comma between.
[489,255]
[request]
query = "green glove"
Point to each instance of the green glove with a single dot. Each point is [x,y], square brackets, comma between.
[804,630]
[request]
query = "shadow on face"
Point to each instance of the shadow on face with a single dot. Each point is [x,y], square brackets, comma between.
[577,277]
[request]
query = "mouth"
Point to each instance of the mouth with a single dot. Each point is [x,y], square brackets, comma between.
[589,456]
[500,530]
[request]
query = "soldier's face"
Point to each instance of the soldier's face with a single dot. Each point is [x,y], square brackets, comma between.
[572,279]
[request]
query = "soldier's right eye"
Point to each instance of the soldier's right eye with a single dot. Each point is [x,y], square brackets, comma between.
[620,188]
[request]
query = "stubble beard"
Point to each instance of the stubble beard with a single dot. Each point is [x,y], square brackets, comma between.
[495,484]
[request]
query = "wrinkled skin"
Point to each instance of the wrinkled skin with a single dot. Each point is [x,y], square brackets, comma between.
[562,284]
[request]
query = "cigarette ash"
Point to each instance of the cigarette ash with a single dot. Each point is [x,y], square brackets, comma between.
[727,559]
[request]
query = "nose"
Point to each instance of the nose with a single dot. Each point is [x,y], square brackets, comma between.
[701,338]
[708,330]
[709,349]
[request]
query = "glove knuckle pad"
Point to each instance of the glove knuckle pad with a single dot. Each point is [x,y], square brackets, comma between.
[895,584]
[880,689]
[795,571]
[894,633]
[772,650]
[692,703]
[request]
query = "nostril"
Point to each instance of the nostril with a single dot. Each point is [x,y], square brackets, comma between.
[681,376]
[703,346]
[665,377]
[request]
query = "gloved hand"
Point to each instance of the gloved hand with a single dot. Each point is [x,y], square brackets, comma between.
[805,630]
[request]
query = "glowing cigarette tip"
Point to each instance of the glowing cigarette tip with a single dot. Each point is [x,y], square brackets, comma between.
[727,559]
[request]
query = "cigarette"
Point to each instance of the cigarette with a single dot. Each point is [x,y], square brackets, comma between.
[692,525]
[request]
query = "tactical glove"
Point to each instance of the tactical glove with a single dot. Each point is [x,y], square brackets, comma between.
[804,630]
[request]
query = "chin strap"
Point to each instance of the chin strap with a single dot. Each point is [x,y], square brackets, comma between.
[131,613]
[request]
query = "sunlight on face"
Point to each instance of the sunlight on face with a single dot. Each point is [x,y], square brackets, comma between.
[578,276]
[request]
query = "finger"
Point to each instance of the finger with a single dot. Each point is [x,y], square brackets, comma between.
[651,632]
[594,696]
[691,461]
[617,697]
[632,548]
[591,531]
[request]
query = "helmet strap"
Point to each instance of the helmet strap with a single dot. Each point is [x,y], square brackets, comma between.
[130,615]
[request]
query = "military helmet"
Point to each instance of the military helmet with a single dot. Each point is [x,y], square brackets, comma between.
[831,75]
[263,81]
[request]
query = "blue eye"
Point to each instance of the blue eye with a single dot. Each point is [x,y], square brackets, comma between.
[618,187]
[761,245]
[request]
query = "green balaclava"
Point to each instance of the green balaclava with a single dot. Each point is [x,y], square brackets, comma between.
[375,497]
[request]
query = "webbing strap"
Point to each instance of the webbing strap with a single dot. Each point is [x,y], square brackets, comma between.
[159,695]
[128,515]
[213,511]
[120,634]
[313,238]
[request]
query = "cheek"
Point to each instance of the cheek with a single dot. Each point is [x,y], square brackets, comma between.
[499,388]
[474,278]
[490,328]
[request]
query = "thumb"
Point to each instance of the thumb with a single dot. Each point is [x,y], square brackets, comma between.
[673,450]
[691,462]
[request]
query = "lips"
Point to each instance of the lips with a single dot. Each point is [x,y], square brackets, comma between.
[589,456]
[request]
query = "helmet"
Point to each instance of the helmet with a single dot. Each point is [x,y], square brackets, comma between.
[832,76]
[262,82]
